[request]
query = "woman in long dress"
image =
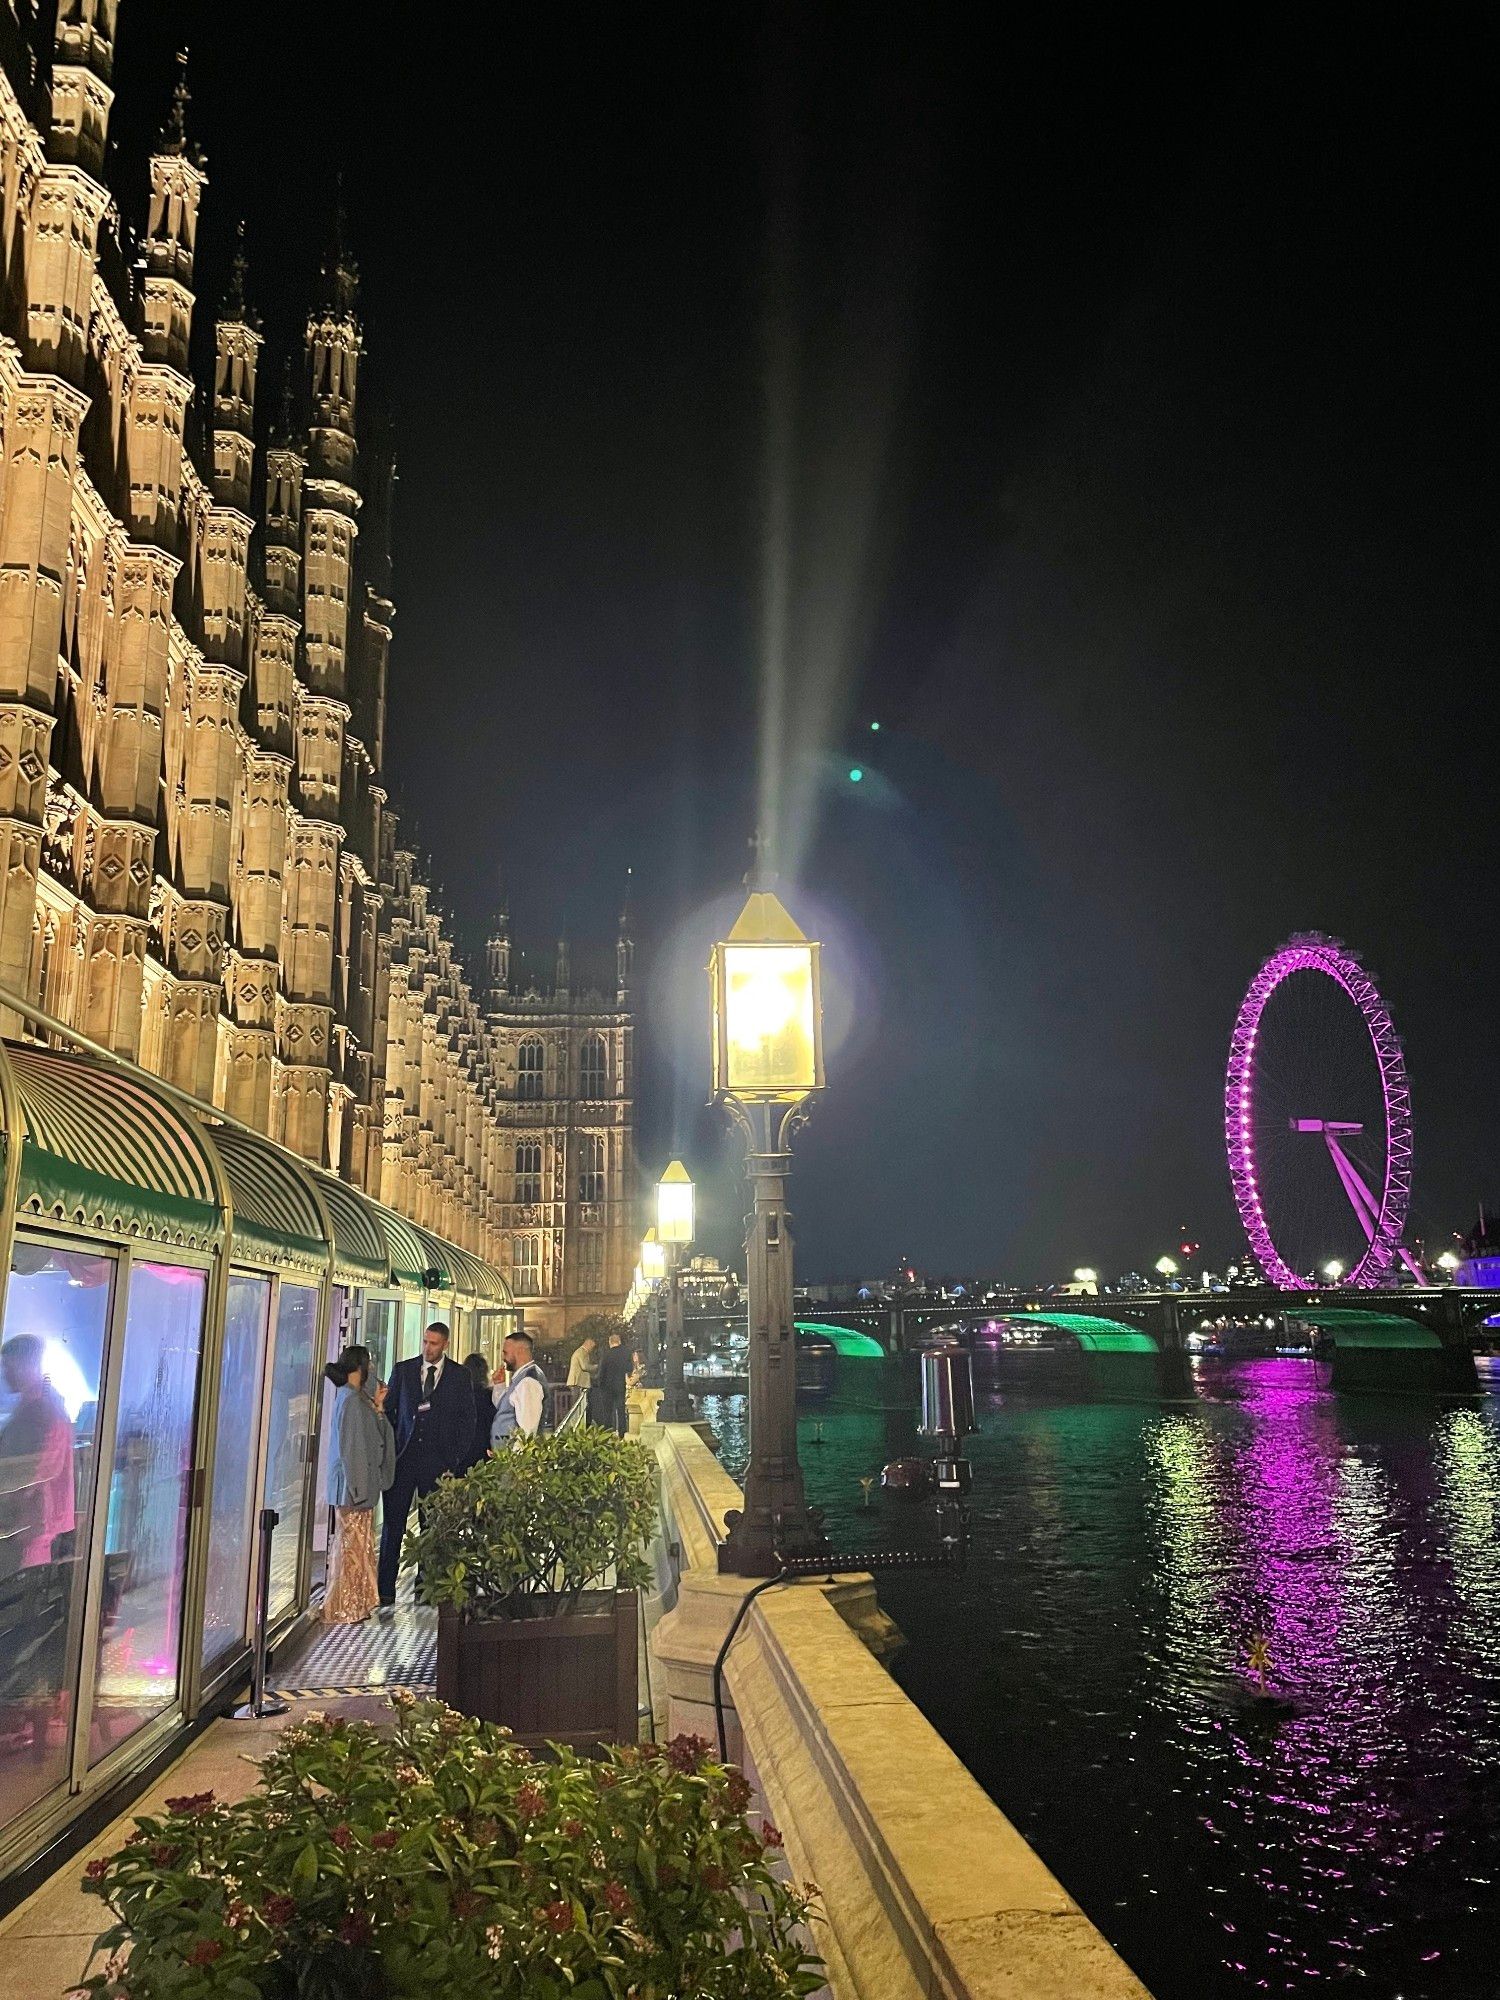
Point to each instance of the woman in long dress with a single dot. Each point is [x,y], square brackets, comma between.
[361,1465]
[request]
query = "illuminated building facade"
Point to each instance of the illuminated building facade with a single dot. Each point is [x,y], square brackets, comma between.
[564,1056]
[199,866]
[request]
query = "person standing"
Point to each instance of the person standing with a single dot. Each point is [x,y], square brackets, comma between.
[361,1467]
[519,1405]
[36,1460]
[484,1406]
[615,1370]
[430,1407]
[583,1369]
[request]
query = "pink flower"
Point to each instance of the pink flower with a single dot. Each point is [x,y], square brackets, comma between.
[617,1896]
[341,1836]
[573,1828]
[386,1839]
[531,1801]
[686,1753]
[97,1869]
[356,1929]
[770,1835]
[713,1877]
[192,1805]
[278,1910]
[205,1951]
[558,1917]
[738,1790]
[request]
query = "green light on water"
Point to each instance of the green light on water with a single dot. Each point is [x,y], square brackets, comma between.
[856,775]
[875,726]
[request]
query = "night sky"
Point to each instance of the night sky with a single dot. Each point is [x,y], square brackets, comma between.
[1137,422]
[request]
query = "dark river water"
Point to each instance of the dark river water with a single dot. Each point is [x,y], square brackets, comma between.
[1091,1666]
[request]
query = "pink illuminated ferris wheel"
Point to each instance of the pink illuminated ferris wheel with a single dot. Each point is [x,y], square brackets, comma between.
[1317,1120]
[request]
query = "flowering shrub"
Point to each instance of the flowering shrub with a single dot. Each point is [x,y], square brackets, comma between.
[441,1860]
[526,1532]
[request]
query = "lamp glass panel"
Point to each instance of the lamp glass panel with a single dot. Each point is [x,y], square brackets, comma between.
[769,1024]
[674,1211]
[653,1261]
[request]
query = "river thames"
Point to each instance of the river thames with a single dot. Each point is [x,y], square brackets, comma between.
[1091,1666]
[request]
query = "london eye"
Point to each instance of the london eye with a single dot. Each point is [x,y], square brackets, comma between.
[1317,1120]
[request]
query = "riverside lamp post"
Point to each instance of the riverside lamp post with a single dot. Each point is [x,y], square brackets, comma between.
[653,1270]
[674,1232]
[767,1065]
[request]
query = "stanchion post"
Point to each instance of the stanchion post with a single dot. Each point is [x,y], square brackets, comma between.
[261,1703]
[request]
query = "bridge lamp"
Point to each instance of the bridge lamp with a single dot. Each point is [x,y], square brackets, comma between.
[1448,1261]
[767,1065]
[1085,1276]
[674,1231]
[1167,1266]
[1333,1270]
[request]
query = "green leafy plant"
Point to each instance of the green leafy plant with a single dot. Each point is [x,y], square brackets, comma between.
[441,1859]
[526,1532]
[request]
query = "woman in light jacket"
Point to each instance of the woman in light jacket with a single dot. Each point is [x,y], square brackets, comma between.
[361,1465]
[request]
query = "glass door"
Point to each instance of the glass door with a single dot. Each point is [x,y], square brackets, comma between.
[289,1434]
[136,1664]
[57,1317]
[232,1513]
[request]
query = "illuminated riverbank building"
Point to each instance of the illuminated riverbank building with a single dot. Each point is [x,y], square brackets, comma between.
[200,868]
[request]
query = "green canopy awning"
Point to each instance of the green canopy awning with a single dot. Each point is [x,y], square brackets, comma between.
[277,1219]
[407,1251]
[103,1151]
[474,1282]
[359,1253]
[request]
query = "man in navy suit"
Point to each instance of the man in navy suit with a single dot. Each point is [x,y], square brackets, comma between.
[430,1402]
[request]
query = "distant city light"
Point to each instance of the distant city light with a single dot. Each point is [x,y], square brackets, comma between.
[855,775]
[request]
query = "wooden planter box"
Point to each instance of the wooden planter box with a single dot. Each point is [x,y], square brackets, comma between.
[551,1680]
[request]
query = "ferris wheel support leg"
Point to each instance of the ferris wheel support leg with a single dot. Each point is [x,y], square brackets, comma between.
[1364,1203]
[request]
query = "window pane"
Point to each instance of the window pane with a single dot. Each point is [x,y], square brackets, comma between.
[226,1606]
[51,1365]
[145,1545]
[287,1444]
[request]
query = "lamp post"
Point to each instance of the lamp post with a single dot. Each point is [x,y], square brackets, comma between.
[674,1232]
[653,1270]
[767,1064]
[1167,1267]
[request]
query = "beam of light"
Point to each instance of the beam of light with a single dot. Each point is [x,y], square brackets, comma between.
[828,420]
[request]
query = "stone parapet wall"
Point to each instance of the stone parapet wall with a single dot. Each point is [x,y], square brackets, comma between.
[927,1889]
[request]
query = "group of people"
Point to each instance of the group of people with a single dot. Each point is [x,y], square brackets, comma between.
[605,1379]
[435,1416]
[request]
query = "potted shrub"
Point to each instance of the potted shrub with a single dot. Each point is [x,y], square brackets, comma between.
[534,1559]
[443,1860]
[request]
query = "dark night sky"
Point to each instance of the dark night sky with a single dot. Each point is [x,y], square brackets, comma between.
[1144,490]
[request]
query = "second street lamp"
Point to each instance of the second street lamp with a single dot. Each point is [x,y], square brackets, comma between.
[674,1232]
[767,1064]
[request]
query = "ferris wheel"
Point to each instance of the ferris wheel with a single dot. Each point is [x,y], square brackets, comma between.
[1317,1120]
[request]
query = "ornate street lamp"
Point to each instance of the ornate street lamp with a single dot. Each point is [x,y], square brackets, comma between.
[674,1232]
[653,1270]
[767,1064]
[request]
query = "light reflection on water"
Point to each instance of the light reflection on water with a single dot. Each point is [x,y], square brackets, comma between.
[1125,1556]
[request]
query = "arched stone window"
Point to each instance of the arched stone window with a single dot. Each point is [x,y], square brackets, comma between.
[590,1278]
[528,1171]
[526,1264]
[530,1059]
[590,1167]
[593,1068]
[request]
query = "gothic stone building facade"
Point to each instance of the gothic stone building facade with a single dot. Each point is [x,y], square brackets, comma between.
[199,868]
[566,1051]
